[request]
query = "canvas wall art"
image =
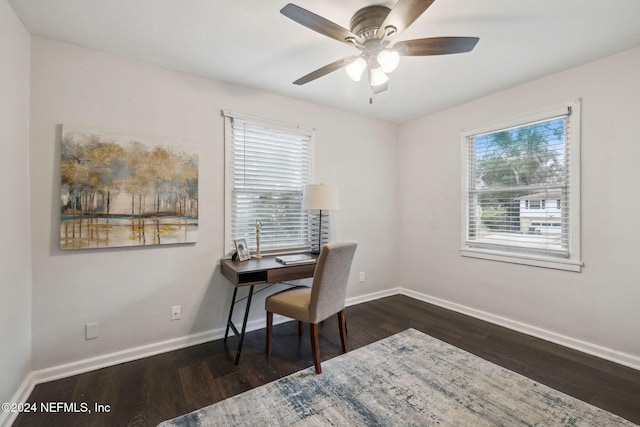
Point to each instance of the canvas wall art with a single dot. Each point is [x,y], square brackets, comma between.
[122,189]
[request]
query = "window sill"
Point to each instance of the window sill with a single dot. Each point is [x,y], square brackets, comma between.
[544,262]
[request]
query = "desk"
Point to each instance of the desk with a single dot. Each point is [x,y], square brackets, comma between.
[253,272]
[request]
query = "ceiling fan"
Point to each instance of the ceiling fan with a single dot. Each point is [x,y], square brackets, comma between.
[373,29]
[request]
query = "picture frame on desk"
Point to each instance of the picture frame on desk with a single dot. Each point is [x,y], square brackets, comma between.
[242,249]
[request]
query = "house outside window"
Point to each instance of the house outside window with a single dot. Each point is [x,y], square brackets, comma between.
[267,165]
[521,190]
[543,219]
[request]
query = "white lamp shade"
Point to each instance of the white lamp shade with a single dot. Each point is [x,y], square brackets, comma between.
[355,69]
[320,197]
[388,60]
[378,77]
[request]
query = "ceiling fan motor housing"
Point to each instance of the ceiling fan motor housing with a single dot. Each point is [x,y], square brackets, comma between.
[366,21]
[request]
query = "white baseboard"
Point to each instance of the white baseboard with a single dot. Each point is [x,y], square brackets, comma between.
[586,347]
[111,359]
[373,296]
[115,358]
[128,355]
[20,396]
[86,365]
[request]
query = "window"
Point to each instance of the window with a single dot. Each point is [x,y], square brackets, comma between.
[267,166]
[511,170]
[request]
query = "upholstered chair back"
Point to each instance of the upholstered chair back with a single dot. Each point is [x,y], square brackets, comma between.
[330,280]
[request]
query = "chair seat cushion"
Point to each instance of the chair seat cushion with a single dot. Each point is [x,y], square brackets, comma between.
[293,303]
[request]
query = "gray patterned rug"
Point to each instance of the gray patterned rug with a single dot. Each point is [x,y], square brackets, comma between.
[408,379]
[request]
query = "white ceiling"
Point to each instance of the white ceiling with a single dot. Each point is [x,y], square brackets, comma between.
[249,43]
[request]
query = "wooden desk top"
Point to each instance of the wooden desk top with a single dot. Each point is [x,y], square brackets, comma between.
[263,270]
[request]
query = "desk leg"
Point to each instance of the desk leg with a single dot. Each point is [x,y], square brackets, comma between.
[233,303]
[244,324]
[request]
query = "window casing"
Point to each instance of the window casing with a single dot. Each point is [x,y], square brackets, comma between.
[267,165]
[513,173]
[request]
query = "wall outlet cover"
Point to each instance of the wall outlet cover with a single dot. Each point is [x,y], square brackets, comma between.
[91,331]
[176,312]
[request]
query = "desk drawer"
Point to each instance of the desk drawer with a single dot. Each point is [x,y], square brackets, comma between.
[290,273]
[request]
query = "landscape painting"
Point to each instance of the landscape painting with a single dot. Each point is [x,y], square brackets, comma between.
[121,189]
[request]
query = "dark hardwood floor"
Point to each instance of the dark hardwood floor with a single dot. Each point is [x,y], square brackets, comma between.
[151,390]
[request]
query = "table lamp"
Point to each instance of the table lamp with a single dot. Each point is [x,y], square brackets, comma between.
[320,197]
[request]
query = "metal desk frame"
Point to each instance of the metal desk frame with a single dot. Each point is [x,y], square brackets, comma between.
[253,272]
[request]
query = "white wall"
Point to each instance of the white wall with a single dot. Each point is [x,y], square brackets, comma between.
[597,309]
[15,253]
[130,291]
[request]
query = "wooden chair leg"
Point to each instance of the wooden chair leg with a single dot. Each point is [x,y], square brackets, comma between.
[315,347]
[300,328]
[269,330]
[342,323]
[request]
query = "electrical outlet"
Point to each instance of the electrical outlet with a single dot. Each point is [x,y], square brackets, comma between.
[176,312]
[91,331]
[361,277]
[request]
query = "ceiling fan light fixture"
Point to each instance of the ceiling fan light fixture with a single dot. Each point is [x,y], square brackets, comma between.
[388,60]
[356,68]
[378,77]
[372,29]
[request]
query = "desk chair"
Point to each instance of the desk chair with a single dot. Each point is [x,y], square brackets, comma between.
[323,299]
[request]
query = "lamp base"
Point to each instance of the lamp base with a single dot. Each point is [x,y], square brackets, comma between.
[318,230]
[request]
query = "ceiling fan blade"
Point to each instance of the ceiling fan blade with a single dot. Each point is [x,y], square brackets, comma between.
[317,23]
[436,46]
[325,70]
[403,14]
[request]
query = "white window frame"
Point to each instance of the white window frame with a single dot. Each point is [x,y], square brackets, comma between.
[229,116]
[571,263]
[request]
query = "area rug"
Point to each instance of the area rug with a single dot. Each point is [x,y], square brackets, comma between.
[408,379]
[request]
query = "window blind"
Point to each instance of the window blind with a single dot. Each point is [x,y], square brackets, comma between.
[519,188]
[269,165]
